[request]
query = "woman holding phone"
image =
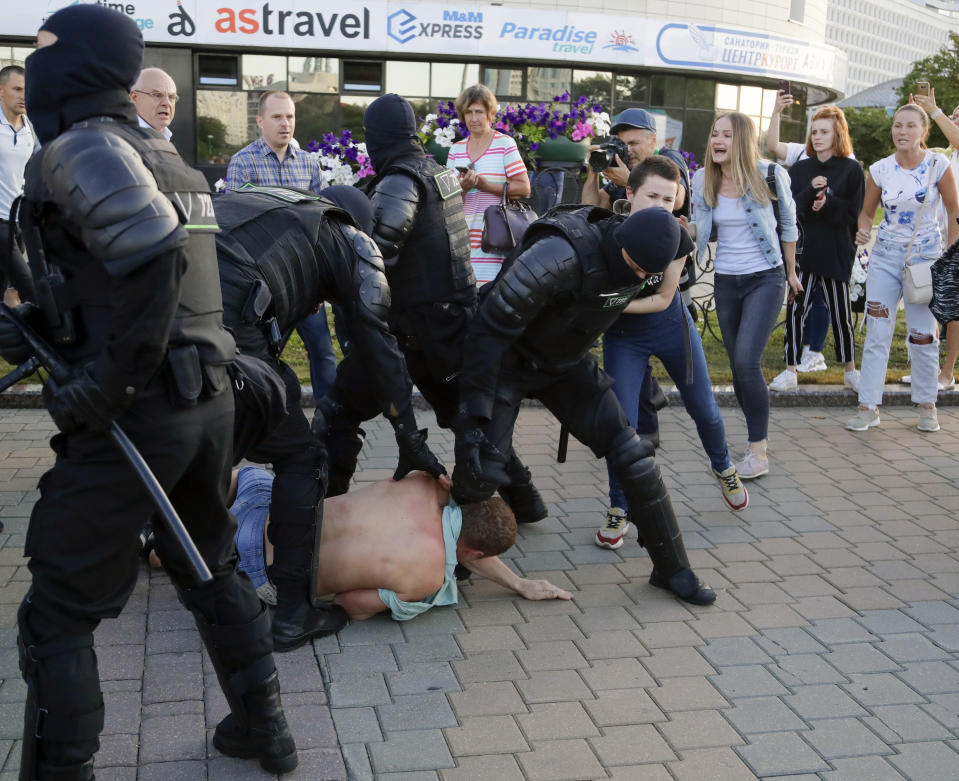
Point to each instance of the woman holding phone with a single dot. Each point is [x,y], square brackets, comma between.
[486,160]
[910,184]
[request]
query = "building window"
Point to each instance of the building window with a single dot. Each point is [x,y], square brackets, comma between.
[218,70]
[797,11]
[448,79]
[314,74]
[504,82]
[362,76]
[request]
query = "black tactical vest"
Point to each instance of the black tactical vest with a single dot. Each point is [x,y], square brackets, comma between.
[563,331]
[423,274]
[198,320]
[267,250]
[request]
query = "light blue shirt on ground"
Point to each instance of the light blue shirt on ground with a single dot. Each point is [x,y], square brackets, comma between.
[447,594]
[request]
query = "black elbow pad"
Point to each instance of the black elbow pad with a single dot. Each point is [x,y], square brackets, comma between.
[395,202]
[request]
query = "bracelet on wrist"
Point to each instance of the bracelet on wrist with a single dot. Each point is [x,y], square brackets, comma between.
[937,113]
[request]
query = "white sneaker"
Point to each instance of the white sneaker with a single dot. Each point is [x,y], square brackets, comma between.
[928,419]
[786,380]
[851,380]
[948,385]
[734,492]
[907,380]
[863,420]
[752,466]
[812,362]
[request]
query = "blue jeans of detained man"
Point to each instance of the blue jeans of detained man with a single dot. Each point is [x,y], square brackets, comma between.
[627,347]
[747,308]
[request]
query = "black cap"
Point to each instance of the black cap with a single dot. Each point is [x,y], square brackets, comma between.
[634,117]
[650,238]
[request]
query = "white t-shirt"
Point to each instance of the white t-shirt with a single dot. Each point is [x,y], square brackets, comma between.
[737,248]
[903,191]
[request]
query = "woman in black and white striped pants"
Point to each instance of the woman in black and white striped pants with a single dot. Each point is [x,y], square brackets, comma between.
[828,189]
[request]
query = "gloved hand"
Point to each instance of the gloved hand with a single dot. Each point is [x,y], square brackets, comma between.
[13,347]
[81,402]
[414,452]
[326,410]
[480,466]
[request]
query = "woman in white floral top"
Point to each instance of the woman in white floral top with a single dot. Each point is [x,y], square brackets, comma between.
[909,183]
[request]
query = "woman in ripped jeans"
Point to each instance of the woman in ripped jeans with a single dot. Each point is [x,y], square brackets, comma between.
[909,184]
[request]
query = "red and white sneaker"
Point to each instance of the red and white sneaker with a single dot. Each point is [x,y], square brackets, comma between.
[613,533]
[734,492]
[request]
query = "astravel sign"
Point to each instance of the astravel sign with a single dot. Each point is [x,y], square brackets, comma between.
[471,30]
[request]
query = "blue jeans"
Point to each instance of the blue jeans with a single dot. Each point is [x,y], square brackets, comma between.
[251,508]
[747,308]
[315,333]
[627,347]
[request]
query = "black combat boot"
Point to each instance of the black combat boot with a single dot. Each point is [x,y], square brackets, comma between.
[521,495]
[296,620]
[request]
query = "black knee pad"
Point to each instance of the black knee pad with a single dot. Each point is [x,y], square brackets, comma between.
[226,600]
[63,713]
[631,459]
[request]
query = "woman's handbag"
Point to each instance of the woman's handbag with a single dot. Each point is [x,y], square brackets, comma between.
[505,223]
[917,277]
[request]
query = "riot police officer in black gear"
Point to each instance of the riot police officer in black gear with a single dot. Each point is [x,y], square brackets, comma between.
[419,226]
[281,252]
[124,230]
[575,271]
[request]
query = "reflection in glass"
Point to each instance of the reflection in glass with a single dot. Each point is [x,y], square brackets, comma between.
[597,86]
[262,72]
[696,131]
[751,100]
[727,97]
[316,115]
[544,84]
[675,128]
[408,78]
[504,82]
[700,93]
[632,89]
[362,76]
[668,91]
[314,74]
[448,79]
[13,55]
[222,124]
[351,113]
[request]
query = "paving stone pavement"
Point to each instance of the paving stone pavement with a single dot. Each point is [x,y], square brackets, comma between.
[832,652]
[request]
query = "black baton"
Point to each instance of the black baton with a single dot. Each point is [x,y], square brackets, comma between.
[60,372]
[563,444]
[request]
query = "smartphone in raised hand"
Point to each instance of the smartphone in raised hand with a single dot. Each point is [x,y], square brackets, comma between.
[922,88]
[784,87]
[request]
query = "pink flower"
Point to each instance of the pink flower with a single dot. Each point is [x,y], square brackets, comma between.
[581,131]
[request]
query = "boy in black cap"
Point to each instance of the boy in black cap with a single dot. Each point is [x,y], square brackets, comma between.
[574,273]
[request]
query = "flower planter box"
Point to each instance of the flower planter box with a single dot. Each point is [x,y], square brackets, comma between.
[562,150]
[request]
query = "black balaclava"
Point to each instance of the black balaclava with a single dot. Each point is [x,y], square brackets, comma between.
[87,72]
[390,125]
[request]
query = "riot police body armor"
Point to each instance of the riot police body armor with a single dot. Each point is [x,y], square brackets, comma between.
[565,284]
[120,234]
[281,252]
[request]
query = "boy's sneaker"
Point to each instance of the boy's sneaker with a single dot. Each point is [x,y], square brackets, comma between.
[812,362]
[613,533]
[863,420]
[851,380]
[751,466]
[785,381]
[928,419]
[734,492]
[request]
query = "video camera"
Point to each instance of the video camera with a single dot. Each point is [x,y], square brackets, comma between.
[602,158]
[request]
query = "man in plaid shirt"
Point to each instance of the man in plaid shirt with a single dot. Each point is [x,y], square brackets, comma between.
[275,160]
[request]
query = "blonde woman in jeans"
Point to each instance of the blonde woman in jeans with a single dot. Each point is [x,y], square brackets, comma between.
[909,183]
[730,194]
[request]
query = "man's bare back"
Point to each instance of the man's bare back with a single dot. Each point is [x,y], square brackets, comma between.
[385,535]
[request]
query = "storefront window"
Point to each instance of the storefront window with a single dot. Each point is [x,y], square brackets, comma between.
[448,79]
[351,113]
[668,91]
[222,125]
[700,93]
[261,72]
[595,85]
[632,89]
[314,74]
[362,76]
[316,115]
[727,97]
[544,84]
[408,78]
[220,70]
[696,129]
[13,55]
[751,100]
[504,82]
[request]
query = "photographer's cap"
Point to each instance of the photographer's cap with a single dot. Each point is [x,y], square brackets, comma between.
[634,117]
[650,238]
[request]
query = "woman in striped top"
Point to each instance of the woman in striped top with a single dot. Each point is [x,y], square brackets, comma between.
[485,160]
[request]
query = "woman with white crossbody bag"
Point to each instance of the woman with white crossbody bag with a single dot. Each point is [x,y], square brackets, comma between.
[909,183]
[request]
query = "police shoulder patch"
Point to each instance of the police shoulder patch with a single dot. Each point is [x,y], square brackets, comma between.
[447,183]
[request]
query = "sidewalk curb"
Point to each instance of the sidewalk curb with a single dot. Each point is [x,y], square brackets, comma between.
[895,395]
